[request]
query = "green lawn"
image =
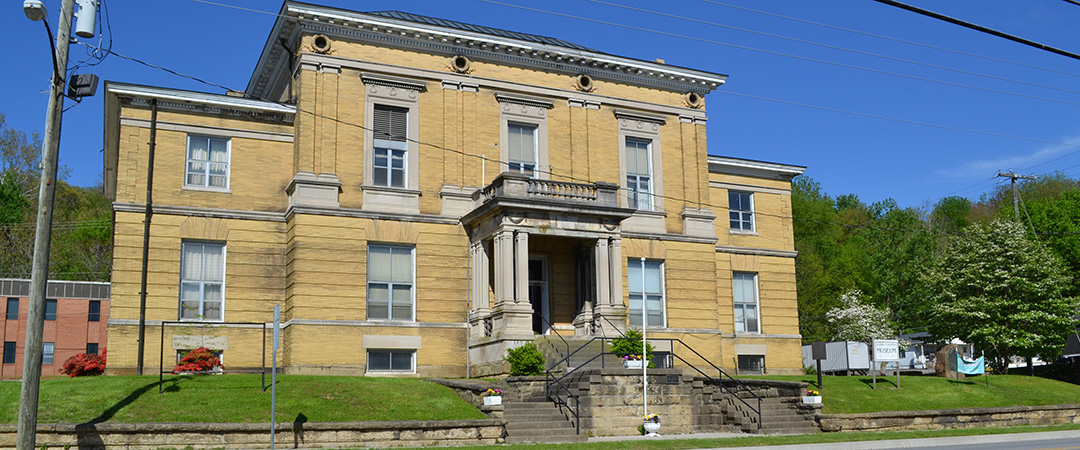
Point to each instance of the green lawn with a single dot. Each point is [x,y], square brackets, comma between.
[854,394]
[236,398]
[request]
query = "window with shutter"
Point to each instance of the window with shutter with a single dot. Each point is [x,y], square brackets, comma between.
[391,126]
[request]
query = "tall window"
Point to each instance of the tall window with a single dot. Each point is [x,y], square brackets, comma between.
[12,308]
[93,313]
[390,282]
[646,283]
[202,280]
[746,302]
[522,148]
[50,309]
[9,352]
[391,361]
[47,350]
[91,348]
[741,210]
[639,173]
[391,126]
[207,162]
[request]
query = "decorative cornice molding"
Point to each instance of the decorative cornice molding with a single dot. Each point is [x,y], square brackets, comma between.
[625,114]
[756,251]
[667,237]
[214,213]
[379,30]
[393,82]
[748,188]
[749,167]
[524,100]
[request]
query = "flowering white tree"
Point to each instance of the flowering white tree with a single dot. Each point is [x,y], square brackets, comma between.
[858,321]
[1001,290]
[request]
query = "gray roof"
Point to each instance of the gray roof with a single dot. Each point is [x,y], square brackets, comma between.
[479,29]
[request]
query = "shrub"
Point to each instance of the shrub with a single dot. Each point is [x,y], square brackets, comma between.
[525,360]
[630,344]
[84,364]
[201,359]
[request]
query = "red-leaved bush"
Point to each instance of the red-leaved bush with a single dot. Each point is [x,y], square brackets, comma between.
[84,364]
[198,360]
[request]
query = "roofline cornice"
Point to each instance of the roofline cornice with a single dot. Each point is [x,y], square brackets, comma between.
[435,39]
[718,164]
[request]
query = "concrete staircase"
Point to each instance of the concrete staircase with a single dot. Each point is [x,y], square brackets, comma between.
[538,420]
[554,350]
[779,415]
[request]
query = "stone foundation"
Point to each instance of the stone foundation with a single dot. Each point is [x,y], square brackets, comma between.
[952,418]
[151,436]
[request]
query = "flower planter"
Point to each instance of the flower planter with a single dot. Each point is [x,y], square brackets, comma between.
[811,399]
[633,363]
[651,428]
[493,400]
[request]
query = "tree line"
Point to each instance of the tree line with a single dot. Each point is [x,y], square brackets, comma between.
[964,269]
[81,247]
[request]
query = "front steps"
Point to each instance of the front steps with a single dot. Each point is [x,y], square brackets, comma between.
[537,420]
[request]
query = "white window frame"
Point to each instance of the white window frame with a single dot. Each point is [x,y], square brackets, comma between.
[392,370]
[529,111]
[643,127]
[188,161]
[741,326]
[638,290]
[634,195]
[200,315]
[391,284]
[391,147]
[398,93]
[48,352]
[742,214]
[521,165]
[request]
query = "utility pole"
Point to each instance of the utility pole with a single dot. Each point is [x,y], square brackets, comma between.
[39,279]
[1016,193]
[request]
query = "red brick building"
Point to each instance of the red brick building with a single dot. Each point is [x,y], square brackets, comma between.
[75,316]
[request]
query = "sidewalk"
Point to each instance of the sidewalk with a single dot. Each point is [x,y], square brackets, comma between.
[884,444]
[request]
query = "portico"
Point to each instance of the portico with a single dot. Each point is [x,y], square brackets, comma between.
[543,254]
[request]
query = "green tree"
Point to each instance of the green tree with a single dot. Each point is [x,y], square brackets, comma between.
[1000,290]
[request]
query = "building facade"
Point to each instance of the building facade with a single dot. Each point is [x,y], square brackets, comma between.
[420,195]
[76,314]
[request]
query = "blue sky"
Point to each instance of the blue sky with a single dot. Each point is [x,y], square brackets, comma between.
[929,120]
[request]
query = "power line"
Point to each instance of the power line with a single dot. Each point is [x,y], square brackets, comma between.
[787,55]
[835,47]
[980,28]
[889,38]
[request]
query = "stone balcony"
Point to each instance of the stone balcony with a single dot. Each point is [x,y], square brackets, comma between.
[531,196]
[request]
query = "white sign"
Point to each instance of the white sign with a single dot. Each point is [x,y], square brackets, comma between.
[886,350]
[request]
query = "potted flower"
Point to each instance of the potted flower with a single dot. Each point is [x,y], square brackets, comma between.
[812,396]
[632,361]
[651,423]
[493,397]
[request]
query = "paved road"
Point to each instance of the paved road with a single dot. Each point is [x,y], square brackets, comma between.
[1052,440]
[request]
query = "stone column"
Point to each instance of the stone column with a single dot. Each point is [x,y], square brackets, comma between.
[615,271]
[521,267]
[504,265]
[481,309]
[610,312]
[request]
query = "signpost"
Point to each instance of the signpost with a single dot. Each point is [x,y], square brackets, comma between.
[818,352]
[886,351]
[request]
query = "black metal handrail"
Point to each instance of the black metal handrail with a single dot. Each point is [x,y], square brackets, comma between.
[555,385]
[553,330]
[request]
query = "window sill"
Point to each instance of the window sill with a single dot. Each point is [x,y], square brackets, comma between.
[207,189]
[744,232]
[388,199]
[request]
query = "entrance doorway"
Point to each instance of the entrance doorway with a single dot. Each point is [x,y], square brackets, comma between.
[538,294]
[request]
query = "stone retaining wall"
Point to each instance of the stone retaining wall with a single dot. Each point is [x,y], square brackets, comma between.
[152,436]
[951,418]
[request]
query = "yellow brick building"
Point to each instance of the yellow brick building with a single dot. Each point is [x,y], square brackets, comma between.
[420,195]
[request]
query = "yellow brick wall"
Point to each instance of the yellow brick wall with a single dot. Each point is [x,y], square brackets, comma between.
[260,189]
[772,214]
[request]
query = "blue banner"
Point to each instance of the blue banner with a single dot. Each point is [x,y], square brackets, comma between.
[968,367]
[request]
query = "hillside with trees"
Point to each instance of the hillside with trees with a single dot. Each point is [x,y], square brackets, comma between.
[958,268]
[81,247]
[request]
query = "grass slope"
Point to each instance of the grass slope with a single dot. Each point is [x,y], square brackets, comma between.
[854,394]
[237,398]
